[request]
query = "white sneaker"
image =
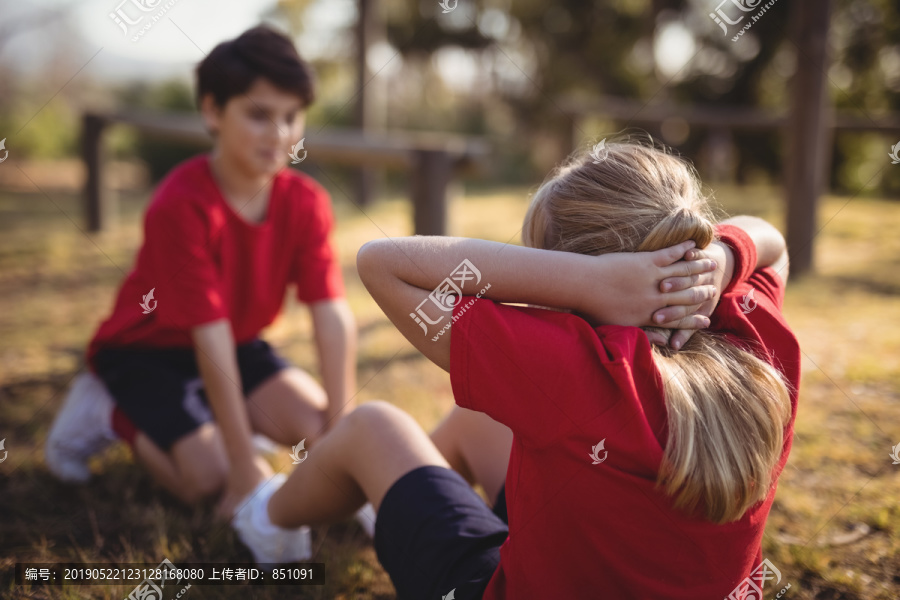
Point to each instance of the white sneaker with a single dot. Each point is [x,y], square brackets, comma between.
[269,543]
[366,519]
[82,428]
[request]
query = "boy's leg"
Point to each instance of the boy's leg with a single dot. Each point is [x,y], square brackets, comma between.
[475,446]
[360,458]
[195,468]
[170,428]
[288,407]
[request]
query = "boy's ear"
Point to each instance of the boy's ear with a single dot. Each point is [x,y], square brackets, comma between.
[211,113]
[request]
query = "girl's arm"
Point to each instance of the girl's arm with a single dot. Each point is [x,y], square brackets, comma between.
[415,279]
[771,251]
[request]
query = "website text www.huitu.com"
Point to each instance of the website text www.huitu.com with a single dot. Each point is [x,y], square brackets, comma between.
[754,19]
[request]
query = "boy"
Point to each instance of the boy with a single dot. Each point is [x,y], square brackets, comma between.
[225,234]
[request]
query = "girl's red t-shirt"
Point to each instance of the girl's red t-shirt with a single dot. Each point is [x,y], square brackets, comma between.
[587,522]
[204,262]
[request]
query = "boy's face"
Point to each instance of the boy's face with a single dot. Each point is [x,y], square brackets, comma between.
[256,130]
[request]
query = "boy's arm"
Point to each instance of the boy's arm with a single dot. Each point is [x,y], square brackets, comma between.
[335,332]
[217,362]
[623,288]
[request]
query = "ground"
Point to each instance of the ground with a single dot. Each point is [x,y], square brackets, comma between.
[833,531]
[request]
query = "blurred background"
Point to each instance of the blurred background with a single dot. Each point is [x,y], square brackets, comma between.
[443,118]
[517,73]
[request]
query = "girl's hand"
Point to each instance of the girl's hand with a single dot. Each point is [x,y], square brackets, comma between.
[677,317]
[638,277]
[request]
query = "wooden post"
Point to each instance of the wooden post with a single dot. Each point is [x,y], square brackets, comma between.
[806,130]
[432,170]
[99,204]
[717,155]
[364,177]
[570,136]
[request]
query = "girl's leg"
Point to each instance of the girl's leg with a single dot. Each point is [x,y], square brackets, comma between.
[475,446]
[195,468]
[288,407]
[360,458]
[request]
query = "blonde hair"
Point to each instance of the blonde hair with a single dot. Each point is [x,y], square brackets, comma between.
[727,408]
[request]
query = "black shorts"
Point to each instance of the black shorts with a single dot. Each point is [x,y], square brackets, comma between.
[161,391]
[434,534]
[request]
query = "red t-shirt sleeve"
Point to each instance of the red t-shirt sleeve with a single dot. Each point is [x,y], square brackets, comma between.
[188,288]
[528,368]
[763,281]
[317,270]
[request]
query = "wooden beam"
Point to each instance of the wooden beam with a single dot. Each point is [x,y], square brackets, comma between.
[715,116]
[433,158]
[806,131]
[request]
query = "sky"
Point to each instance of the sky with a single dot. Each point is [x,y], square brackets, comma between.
[129,43]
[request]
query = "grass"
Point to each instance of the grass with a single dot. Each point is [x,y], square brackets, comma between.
[57,284]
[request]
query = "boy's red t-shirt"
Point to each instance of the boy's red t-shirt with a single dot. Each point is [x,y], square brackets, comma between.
[205,262]
[584,530]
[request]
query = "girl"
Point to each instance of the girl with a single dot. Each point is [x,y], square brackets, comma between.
[635,469]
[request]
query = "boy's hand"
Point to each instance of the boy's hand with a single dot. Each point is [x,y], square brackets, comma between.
[242,480]
[717,252]
[638,278]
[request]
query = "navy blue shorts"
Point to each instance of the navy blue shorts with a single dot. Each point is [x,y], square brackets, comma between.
[161,391]
[435,534]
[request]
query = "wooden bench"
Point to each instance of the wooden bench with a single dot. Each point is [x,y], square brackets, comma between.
[433,160]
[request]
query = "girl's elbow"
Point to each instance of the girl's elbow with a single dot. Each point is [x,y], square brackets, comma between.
[779,241]
[367,259]
[373,264]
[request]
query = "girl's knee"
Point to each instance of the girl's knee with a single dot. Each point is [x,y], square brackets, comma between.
[379,416]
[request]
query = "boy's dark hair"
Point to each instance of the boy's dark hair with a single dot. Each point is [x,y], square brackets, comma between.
[233,66]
